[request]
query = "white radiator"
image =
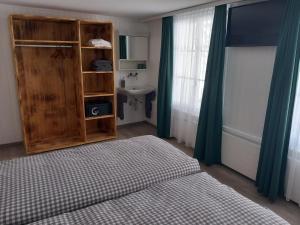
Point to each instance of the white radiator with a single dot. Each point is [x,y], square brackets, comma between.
[240,151]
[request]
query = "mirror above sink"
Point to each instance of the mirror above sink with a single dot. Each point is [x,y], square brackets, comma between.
[133,52]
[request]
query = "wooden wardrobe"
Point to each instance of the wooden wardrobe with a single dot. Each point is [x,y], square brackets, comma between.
[52,60]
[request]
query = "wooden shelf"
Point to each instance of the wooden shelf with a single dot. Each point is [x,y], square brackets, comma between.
[91,47]
[93,22]
[37,29]
[99,117]
[97,94]
[98,85]
[57,143]
[43,18]
[97,136]
[133,69]
[60,119]
[133,60]
[89,72]
[19,41]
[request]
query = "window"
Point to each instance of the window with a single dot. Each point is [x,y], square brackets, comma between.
[192,32]
[295,132]
[293,163]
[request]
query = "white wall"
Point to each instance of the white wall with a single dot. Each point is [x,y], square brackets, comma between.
[10,126]
[133,114]
[154,58]
[248,74]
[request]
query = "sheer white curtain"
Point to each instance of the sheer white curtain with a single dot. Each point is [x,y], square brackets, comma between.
[192,32]
[292,191]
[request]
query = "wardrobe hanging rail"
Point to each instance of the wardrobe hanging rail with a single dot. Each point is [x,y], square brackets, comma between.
[44,46]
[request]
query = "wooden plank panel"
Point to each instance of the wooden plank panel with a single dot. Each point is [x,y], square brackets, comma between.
[97,94]
[45,42]
[45,30]
[50,98]
[42,18]
[81,82]
[88,55]
[96,72]
[99,117]
[52,82]
[99,83]
[95,31]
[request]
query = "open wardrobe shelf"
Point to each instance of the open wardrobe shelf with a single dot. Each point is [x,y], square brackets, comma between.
[65,84]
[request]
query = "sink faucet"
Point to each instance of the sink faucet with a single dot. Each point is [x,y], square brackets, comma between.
[132,75]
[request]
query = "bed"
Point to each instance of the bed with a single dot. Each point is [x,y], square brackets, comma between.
[142,180]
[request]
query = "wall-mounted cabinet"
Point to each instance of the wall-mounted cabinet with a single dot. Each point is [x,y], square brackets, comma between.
[56,81]
[133,52]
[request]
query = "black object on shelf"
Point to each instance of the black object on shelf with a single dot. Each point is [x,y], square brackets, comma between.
[99,108]
[101,65]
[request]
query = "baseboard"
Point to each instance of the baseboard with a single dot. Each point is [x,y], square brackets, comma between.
[11,144]
[135,123]
[151,124]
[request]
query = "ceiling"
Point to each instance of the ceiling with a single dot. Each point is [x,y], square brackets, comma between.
[136,9]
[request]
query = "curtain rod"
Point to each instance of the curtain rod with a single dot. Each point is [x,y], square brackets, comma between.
[201,6]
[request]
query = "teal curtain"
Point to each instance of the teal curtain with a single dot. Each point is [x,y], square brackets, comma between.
[165,80]
[209,133]
[123,47]
[276,134]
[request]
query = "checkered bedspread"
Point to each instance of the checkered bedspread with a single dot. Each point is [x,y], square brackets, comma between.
[195,199]
[46,185]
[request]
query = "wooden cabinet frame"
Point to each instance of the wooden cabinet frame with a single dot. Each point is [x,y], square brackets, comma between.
[55,82]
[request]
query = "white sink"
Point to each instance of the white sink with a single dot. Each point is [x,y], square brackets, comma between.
[135,90]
